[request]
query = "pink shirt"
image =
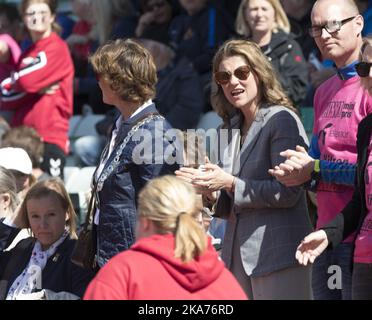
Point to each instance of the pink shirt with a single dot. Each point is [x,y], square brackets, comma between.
[339,106]
[15,52]
[363,242]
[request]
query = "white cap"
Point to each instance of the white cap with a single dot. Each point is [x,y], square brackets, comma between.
[15,159]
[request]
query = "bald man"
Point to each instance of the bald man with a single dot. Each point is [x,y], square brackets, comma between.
[329,167]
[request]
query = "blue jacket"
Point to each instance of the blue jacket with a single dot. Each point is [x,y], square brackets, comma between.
[117,201]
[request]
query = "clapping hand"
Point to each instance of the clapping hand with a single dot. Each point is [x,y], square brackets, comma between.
[211,178]
[296,170]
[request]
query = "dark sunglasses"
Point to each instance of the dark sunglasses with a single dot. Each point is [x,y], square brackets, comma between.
[223,77]
[363,69]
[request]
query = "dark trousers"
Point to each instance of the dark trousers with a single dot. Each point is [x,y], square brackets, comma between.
[54,160]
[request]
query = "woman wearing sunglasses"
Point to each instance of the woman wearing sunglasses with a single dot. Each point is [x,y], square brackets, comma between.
[357,215]
[265,218]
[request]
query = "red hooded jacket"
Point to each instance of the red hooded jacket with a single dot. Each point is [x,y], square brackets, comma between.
[149,271]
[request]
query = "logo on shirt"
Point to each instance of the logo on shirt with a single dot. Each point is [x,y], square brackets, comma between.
[323,133]
[30,61]
[339,110]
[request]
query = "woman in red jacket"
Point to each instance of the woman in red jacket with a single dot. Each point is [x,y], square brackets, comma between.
[40,91]
[172,259]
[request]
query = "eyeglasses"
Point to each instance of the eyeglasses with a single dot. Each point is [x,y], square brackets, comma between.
[156,5]
[363,69]
[223,77]
[331,27]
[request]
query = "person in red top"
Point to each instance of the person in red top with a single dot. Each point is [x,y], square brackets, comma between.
[41,90]
[172,259]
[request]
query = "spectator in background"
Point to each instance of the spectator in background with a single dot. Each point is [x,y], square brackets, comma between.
[19,163]
[66,23]
[9,55]
[265,23]
[125,18]
[155,20]
[365,8]
[197,34]
[9,48]
[29,140]
[172,244]
[114,19]
[8,193]
[40,91]
[4,127]
[179,96]
[80,41]
[299,16]
[328,167]
[231,6]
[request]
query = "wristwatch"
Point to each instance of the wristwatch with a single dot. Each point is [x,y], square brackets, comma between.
[315,175]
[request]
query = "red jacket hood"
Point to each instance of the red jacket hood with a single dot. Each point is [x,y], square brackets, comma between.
[194,275]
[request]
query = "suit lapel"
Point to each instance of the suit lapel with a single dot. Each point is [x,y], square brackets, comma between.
[229,143]
[252,137]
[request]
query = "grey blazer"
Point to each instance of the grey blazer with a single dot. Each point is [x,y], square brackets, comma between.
[268,219]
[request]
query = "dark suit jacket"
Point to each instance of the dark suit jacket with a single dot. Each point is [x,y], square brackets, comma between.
[268,219]
[59,274]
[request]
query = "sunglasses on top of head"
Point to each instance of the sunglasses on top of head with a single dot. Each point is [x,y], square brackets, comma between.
[363,69]
[223,77]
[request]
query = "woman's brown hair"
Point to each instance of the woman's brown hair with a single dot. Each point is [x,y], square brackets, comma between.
[129,68]
[269,88]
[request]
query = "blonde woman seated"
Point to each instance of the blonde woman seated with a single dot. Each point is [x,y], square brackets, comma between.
[172,258]
[40,266]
